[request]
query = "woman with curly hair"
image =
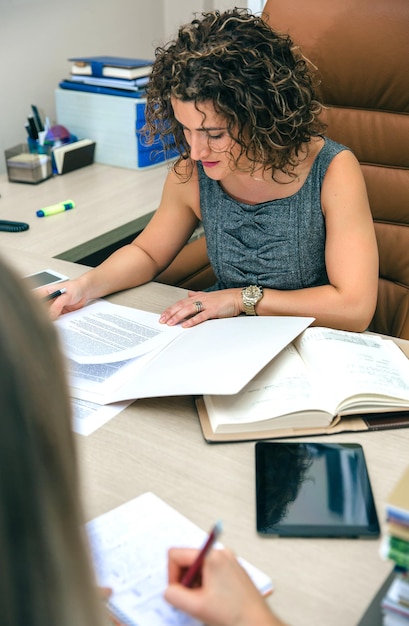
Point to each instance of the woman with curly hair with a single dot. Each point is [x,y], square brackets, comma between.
[285,210]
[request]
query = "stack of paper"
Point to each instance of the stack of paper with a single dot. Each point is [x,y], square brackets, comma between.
[117,353]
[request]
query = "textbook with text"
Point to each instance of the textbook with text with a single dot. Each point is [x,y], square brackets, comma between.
[325,381]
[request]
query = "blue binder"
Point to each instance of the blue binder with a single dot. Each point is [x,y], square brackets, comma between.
[109,91]
[98,63]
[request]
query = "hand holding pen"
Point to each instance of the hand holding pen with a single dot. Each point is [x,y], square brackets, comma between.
[69,297]
[54,295]
[226,595]
[193,574]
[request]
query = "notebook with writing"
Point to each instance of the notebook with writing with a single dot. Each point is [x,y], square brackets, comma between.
[129,545]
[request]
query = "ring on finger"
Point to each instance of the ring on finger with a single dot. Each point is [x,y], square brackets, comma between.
[199,306]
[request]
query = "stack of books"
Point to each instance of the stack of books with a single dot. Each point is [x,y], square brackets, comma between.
[395,546]
[104,99]
[110,75]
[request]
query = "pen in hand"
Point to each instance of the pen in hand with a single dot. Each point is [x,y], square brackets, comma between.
[193,572]
[54,294]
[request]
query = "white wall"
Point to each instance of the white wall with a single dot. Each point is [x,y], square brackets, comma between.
[38,36]
[177,12]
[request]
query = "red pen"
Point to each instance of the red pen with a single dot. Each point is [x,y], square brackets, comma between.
[191,574]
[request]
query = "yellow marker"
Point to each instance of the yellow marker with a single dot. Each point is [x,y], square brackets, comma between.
[56,208]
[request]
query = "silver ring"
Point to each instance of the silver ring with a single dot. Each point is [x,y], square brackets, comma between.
[199,306]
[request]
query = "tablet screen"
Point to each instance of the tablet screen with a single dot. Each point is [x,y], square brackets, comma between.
[45,277]
[314,490]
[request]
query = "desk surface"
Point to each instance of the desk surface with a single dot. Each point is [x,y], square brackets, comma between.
[111,204]
[157,445]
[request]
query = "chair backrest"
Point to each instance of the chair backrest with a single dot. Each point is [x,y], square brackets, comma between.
[191,268]
[361,50]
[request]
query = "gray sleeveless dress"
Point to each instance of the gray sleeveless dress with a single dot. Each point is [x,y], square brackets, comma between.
[278,244]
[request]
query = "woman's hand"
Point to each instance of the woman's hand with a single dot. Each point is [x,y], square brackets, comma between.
[200,306]
[73,298]
[226,597]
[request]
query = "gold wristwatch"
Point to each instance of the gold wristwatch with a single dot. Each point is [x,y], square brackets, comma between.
[250,296]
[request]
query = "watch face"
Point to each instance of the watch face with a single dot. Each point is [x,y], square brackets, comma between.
[250,296]
[253,293]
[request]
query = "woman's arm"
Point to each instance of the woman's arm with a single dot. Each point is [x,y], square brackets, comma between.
[140,261]
[351,255]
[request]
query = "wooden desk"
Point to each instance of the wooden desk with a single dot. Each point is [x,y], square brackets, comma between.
[157,445]
[111,204]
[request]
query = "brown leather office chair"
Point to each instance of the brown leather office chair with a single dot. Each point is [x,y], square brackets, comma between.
[361,49]
[191,269]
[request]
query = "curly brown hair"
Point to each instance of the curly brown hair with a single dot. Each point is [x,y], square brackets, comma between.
[256,79]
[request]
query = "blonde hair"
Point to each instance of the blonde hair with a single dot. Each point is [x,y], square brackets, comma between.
[45,573]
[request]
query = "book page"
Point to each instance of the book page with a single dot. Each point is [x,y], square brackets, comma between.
[129,546]
[348,364]
[283,387]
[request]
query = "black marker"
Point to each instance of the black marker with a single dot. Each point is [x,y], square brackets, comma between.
[33,128]
[37,118]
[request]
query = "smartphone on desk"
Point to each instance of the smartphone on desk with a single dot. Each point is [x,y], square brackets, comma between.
[314,490]
[45,277]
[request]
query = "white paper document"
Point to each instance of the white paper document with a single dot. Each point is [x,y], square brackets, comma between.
[107,333]
[216,357]
[129,546]
[89,416]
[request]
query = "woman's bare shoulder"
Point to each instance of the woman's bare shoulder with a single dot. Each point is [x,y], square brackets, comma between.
[182,186]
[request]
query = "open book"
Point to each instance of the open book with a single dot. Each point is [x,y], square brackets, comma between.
[312,387]
[118,353]
[129,546]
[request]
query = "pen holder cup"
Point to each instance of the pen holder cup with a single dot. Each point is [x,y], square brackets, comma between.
[28,163]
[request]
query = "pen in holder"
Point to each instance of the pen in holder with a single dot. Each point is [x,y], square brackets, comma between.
[28,162]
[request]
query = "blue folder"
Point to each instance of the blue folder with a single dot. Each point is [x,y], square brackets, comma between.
[97,63]
[109,91]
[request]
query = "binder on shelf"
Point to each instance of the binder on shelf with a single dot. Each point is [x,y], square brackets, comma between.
[111,66]
[137,84]
[101,89]
[114,123]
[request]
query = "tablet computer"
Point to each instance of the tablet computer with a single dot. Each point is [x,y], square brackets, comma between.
[45,277]
[314,490]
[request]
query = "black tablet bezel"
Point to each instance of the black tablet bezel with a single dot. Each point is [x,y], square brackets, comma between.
[265,453]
